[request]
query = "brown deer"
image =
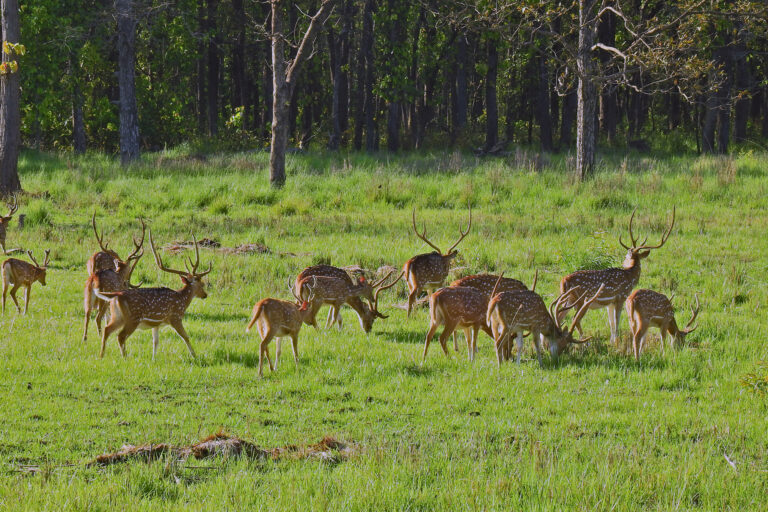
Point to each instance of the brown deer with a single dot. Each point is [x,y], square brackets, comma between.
[365,313]
[619,282]
[428,271]
[13,206]
[523,310]
[457,307]
[109,280]
[152,308]
[19,273]
[646,309]
[275,318]
[106,258]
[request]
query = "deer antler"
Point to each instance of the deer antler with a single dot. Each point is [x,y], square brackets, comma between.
[463,233]
[159,261]
[495,286]
[664,237]
[381,288]
[695,313]
[193,271]
[535,280]
[46,258]
[584,309]
[29,253]
[554,306]
[99,238]
[138,246]
[423,235]
[13,206]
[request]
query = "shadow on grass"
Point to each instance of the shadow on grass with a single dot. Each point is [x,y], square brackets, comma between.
[404,336]
[219,317]
[602,355]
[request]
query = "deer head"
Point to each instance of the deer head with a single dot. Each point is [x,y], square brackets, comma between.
[637,252]
[40,269]
[690,327]
[452,250]
[191,278]
[562,337]
[303,306]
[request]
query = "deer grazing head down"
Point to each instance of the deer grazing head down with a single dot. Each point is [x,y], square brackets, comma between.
[647,309]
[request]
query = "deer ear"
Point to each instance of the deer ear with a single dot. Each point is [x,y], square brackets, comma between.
[304,306]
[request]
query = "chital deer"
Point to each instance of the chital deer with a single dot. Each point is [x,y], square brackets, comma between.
[275,318]
[364,288]
[511,313]
[646,309]
[457,307]
[335,292]
[108,280]
[619,282]
[13,206]
[18,273]
[152,308]
[428,271]
[106,258]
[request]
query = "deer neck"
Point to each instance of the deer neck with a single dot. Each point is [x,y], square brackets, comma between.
[633,271]
[186,294]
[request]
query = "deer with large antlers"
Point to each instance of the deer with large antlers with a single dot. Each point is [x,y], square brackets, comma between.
[511,313]
[152,308]
[275,318]
[106,258]
[455,307]
[646,309]
[13,206]
[619,282]
[363,288]
[428,271]
[335,292]
[19,273]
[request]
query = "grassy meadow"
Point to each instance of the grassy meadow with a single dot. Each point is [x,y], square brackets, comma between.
[598,431]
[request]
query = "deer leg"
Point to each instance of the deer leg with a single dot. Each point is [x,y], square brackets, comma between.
[295,346]
[155,341]
[449,328]
[278,350]
[468,338]
[611,323]
[112,326]
[617,312]
[537,345]
[498,343]
[87,308]
[264,349]
[5,289]
[430,334]
[13,296]
[27,291]
[179,328]
[103,306]
[328,321]
[123,335]
[411,300]
[519,343]
[637,341]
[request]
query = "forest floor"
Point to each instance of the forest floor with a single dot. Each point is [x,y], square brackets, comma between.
[598,431]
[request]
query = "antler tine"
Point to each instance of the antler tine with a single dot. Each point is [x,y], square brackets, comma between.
[495,286]
[463,233]
[12,207]
[377,283]
[138,247]
[535,280]
[99,238]
[555,304]
[695,313]
[381,288]
[585,307]
[159,261]
[46,259]
[664,237]
[293,292]
[423,235]
[29,253]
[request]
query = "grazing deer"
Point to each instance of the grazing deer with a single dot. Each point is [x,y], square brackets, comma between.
[275,318]
[109,280]
[646,309]
[428,271]
[364,288]
[335,292]
[151,308]
[619,282]
[20,273]
[106,258]
[523,310]
[457,307]
[13,205]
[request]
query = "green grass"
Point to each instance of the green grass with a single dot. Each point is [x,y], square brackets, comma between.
[597,432]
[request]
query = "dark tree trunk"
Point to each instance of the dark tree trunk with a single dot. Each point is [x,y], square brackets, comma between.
[344,38]
[743,86]
[542,105]
[673,110]
[717,116]
[568,119]
[335,59]
[241,94]
[200,103]
[213,70]
[10,111]
[764,96]
[491,106]
[461,84]
[586,111]
[369,106]
[396,24]
[126,48]
[606,33]
[78,119]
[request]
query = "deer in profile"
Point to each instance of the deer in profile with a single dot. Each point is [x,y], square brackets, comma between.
[275,318]
[106,258]
[646,309]
[335,292]
[619,282]
[18,273]
[429,271]
[152,308]
[511,313]
[13,206]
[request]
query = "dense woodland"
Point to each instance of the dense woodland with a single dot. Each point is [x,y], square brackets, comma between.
[396,74]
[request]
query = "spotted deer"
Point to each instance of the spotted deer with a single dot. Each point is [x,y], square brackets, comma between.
[275,318]
[152,308]
[428,271]
[455,307]
[619,282]
[365,288]
[13,206]
[646,309]
[511,313]
[106,258]
[335,292]
[18,273]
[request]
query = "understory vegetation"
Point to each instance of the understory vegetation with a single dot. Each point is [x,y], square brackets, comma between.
[598,431]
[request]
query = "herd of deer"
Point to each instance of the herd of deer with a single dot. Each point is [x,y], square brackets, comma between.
[502,307]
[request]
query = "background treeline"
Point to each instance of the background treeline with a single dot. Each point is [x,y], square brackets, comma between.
[396,74]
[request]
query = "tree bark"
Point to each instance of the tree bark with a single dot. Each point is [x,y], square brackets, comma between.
[240,92]
[491,105]
[461,84]
[586,93]
[568,119]
[606,30]
[10,111]
[126,47]
[369,107]
[743,83]
[542,105]
[200,103]
[213,70]
[334,54]
[78,120]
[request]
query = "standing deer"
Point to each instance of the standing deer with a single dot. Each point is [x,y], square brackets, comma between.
[619,282]
[275,318]
[20,273]
[335,292]
[523,310]
[428,271]
[457,307]
[106,258]
[646,309]
[13,205]
[152,308]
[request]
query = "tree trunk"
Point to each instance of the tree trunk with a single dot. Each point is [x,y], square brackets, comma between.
[491,105]
[461,84]
[606,30]
[569,117]
[200,65]
[126,47]
[213,70]
[10,111]
[542,105]
[240,92]
[741,106]
[344,37]
[335,59]
[586,93]
[369,107]
[396,24]
[78,120]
